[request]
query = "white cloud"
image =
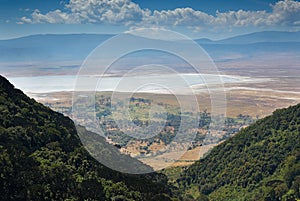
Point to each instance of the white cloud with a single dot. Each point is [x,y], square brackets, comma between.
[92,11]
[56,16]
[240,18]
[285,12]
[179,16]
[126,12]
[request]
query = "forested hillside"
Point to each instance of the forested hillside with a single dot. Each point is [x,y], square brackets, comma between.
[42,158]
[261,162]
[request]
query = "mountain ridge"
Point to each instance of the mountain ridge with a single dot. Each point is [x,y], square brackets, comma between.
[256,37]
[49,48]
[262,36]
[42,158]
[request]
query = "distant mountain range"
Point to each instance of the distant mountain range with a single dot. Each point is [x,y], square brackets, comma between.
[50,47]
[48,52]
[257,37]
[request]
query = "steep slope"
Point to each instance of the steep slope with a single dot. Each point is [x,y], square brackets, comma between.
[259,163]
[41,158]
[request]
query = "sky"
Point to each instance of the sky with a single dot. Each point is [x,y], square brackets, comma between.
[214,19]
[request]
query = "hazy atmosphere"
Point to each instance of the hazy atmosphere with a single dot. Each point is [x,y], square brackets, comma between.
[177,100]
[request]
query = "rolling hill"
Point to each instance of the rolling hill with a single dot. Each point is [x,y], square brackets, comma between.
[261,162]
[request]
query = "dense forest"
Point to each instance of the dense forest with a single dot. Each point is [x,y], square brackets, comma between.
[261,162]
[42,158]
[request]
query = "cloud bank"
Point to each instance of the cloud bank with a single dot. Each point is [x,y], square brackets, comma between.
[128,13]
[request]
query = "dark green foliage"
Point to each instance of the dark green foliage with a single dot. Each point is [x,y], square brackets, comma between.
[202,198]
[259,163]
[42,158]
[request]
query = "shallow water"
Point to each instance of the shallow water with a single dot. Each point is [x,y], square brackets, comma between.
[156,83]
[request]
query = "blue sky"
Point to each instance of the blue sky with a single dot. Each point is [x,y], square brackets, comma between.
[196,18]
